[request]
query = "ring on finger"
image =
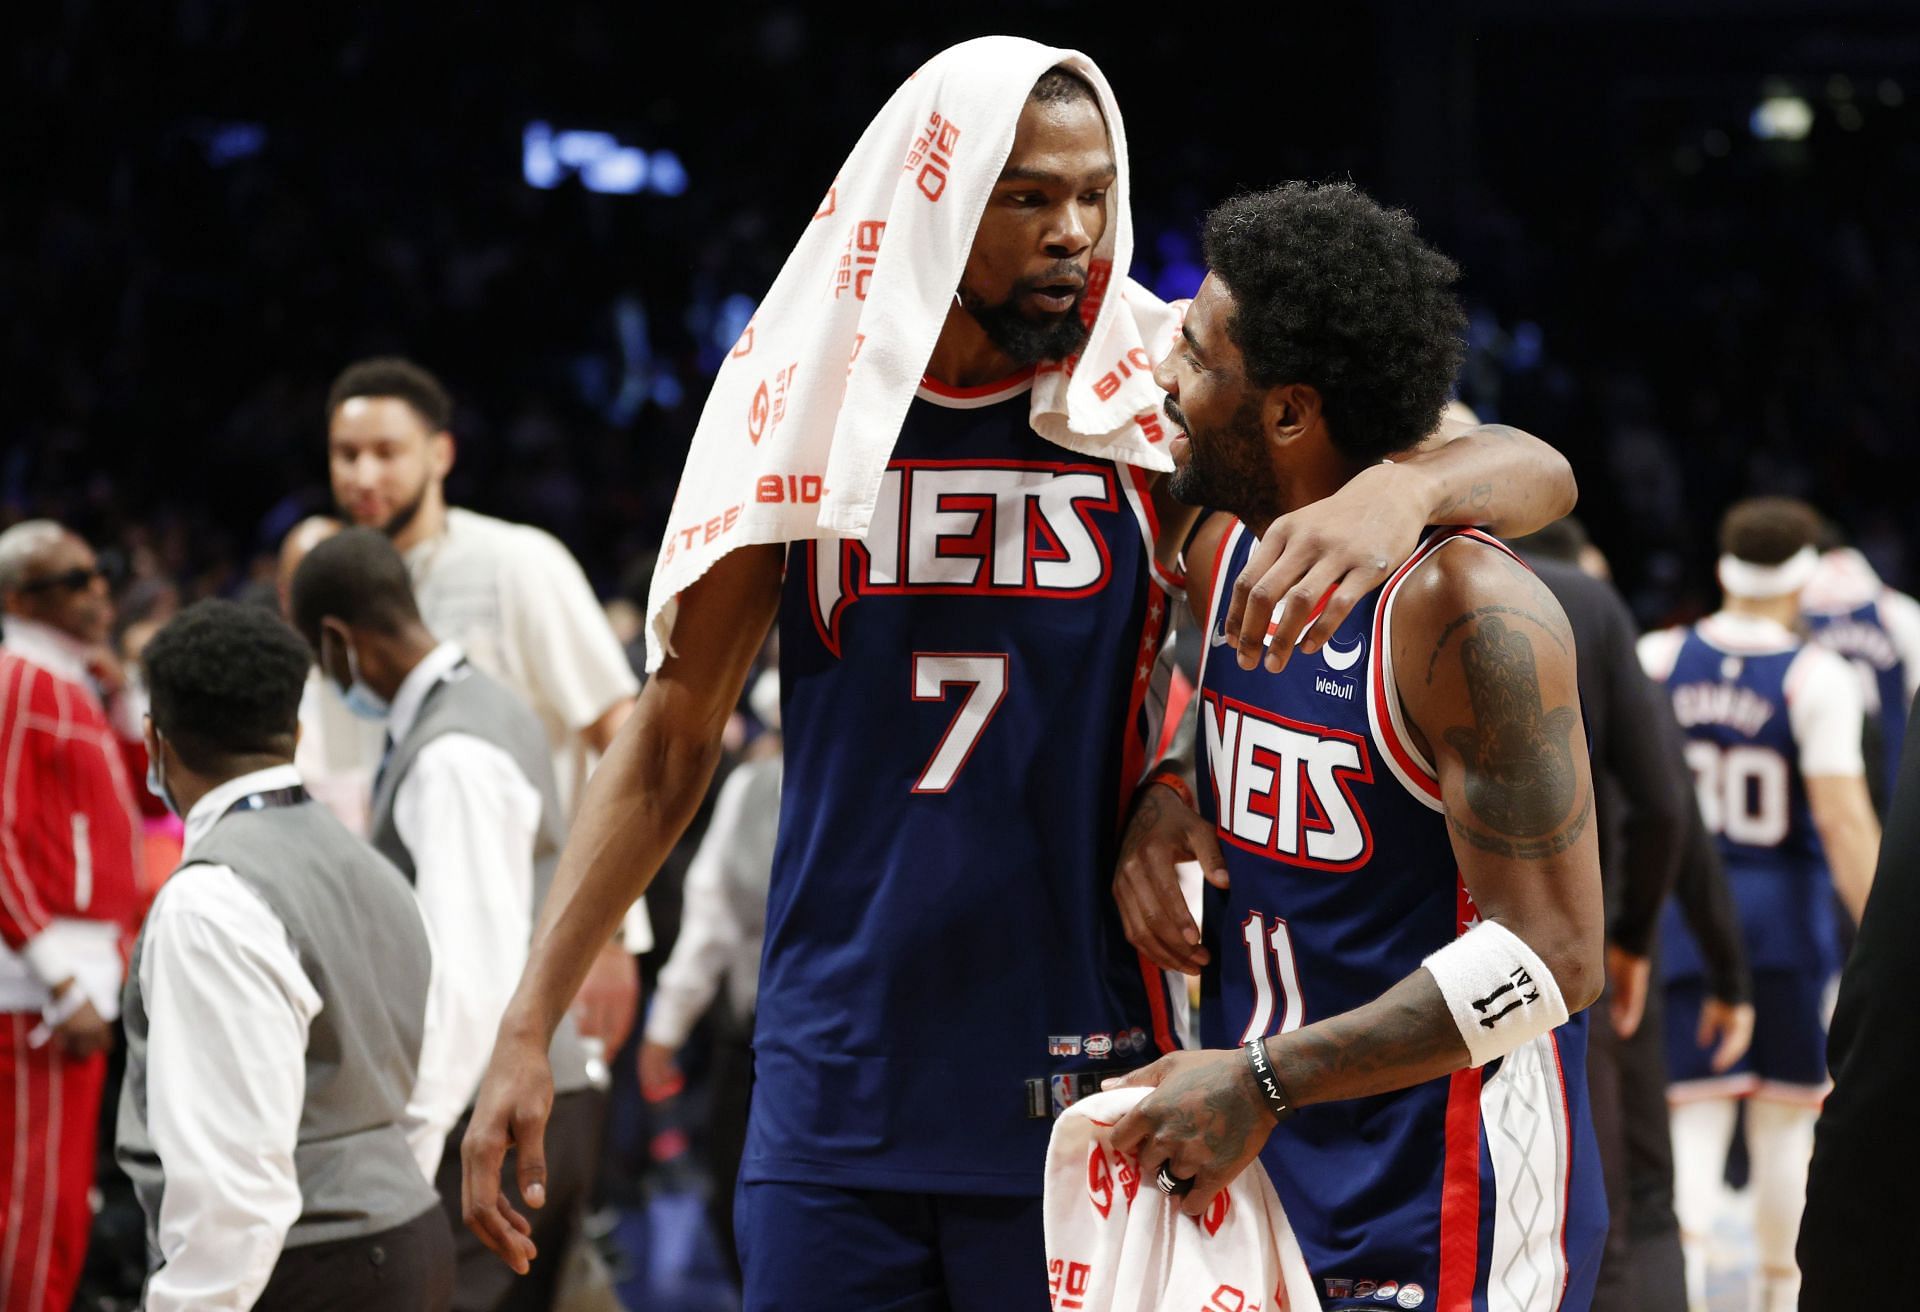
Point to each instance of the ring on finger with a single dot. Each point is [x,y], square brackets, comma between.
[1170,1183]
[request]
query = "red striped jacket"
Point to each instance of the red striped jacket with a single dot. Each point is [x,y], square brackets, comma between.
[69,827]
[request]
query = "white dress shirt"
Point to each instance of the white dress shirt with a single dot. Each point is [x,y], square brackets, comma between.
[228,1011]
[469,817]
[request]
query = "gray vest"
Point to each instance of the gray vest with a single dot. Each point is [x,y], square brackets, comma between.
[356,930]
[471,702]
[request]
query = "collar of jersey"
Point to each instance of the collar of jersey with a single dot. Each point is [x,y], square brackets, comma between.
[972,398]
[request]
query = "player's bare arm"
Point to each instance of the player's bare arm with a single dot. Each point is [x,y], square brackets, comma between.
[1849,832]
[634,809]
[1341,548]
[1486,677]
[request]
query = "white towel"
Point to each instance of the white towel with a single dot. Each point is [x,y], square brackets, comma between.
[802,418]
[1115,1243]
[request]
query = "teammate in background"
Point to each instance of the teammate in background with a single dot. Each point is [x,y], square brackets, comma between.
[511,595]
[1773,727]
[942,964]
[1849,609]
[1414,909]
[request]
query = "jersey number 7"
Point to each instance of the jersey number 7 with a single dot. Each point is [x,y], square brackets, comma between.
[984,676]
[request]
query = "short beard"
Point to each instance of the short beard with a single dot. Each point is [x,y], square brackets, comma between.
[399,521]
[1026,340]
[1230,470]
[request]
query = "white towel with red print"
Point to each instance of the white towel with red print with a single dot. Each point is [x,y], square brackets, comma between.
[803,415]
[1115,1243]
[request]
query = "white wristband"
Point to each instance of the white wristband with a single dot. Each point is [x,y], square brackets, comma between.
[1500,993]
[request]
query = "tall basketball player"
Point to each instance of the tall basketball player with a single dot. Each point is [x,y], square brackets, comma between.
[943,967]
[1414,908]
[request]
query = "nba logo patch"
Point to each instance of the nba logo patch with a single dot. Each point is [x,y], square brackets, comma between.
[1063,1045]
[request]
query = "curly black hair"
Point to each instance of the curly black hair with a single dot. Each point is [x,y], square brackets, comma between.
[390,375]
[1334,290]
[225,681]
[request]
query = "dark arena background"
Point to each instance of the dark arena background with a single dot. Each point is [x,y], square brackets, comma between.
[1687,229]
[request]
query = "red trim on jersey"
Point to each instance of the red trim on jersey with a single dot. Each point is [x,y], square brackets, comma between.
[1139,489]
[1378,681]
[1008,383]
[1460,1195]
[1383,712]
[1157,1005]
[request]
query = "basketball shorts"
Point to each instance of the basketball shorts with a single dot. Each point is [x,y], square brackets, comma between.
[822,1248]
[1789,1052]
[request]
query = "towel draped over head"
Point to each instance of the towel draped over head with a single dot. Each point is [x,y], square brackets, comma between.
[803,415]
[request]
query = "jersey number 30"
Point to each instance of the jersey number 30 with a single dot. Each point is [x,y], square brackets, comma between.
[1743,791]
[984,676]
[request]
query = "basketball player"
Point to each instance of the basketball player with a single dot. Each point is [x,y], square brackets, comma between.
[943,967]
[1773,725]
[1414,909]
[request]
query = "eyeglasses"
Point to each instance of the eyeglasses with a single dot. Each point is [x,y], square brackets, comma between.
[77,579]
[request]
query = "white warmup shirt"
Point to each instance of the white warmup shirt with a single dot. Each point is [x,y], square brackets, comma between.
[518,603]
[1824,701]
[724,920]
[469,817]
[228,1008]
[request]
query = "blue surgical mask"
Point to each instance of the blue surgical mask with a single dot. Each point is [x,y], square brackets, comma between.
[360,699]
[156,783]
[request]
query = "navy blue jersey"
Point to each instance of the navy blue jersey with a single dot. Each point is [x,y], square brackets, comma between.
[1861,635]
[1481,1190]
[962,702]
[1731,685]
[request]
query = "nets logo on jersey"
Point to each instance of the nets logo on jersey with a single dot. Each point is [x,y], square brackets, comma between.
[1005,528]
[1284,788]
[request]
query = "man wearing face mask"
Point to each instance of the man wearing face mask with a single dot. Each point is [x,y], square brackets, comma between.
[68,856]
[464,804]
[288,1083]
[510,594]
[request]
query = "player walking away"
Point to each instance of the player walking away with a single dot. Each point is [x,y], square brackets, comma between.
[1773,726]
[1414,904]
[961,694]
[1849,609]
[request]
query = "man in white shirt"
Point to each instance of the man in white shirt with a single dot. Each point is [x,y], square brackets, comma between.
[288,1083]
[464,804]
[510,594]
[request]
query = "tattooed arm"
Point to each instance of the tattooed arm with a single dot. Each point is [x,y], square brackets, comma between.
[1486,677]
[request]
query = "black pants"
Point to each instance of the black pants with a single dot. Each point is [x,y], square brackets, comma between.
[406,1269]
[1642,1270]
[484,1282]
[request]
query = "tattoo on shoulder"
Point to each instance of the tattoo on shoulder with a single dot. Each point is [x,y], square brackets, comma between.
[1459,622]
[1521,778]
